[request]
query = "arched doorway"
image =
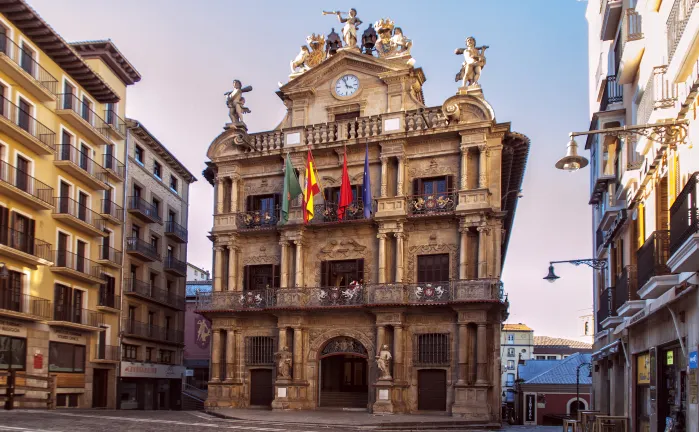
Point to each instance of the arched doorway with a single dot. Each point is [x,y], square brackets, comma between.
[344,374]
[574,406]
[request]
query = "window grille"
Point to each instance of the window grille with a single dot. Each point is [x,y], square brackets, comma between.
[433,349]
[259,350]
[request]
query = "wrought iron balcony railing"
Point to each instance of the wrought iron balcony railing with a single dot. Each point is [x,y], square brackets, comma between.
[613,93]
[606,307]
[676,24]
[684,218]
[135,244]
[70,260]
[70,153]
[77,315]
[107,299]
[112,119]
[434,203]
[110,162]
[26,61]
[142,206]
[145,289]
[151,331]
[660,92]
[110,254]
[258,219]
[107,352]
[25,242]
[111,208]
[69,101]
[65,205]
[327,212]
[652,257]
[26,122]
[625,287]
[22,303]
[26,183]
[173,264]
[175,229]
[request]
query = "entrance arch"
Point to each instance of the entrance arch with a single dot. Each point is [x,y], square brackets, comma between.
[343,375]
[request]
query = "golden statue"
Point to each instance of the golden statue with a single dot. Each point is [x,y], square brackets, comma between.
[349,31]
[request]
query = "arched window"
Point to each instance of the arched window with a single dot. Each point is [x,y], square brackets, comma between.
[574,406]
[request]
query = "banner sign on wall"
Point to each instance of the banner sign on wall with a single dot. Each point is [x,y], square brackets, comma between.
[530,408]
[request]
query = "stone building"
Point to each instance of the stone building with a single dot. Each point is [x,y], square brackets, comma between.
[421,275]
[516,345]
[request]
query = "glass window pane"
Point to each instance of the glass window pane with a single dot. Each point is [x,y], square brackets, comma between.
[5,352]
[60,357]
[79,358]
[19,356]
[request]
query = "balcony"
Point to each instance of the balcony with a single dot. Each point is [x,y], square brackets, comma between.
[684,229]
[112,212]
[77,267]
[176,231]
[80,116]
[605,308]
[610,296]
[626,294]
[175,267]
[24,247]
[107,301]
[20,66]
[141,330]
[658,94]
[22,306]
[654,276]
[144,290]
[141,249]
[110,257]
[257,219]
[371,295]
[433,204]
[632,47]
[612,12]
[113,167]
[106,354]
[143,210]
[78,163]
[72,213]
[76,318]
[326,213]
[611,207]
[25,129]
[613,94]
[676,24]
[21,186]
[115,123]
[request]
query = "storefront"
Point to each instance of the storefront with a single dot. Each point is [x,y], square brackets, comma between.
[147,386]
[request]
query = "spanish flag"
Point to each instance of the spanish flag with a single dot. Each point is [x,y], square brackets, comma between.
[311,189]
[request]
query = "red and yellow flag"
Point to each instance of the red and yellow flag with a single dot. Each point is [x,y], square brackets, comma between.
[311,188]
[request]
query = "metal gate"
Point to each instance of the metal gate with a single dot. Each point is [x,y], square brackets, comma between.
[261,387]
[432,390]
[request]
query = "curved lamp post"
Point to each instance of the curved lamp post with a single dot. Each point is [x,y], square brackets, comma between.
[577,380]
[595,263]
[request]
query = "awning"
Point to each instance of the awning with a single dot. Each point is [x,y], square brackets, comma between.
[607,350]
[671,296]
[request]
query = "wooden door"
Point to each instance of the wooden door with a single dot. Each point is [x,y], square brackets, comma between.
[80,264]
[261,387]
[61,253]
[24,115]
[100,382]
[84,157]
[62,298]
[82,206]
[432,390]
[64,193]
[22,177]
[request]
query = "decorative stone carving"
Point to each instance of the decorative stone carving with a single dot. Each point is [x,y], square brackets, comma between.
[474,61]
[308,58]
[235,103]
[343,344]
[414,251]
[284,359]
[261,259]
[318,341]
[431,167]
[383,361]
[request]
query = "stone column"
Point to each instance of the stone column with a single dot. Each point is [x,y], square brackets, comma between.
[216,356]
[219,195]
[481,355]
[284,277]
[463,249]
[463,353]
[384,176]
[234,194]
[298,354]
[497,245]
[382,257]
[282,338]
[397,353]
[232,269]
[400,176]
[483,167]
[230,355]
[218,268]
[482,251]
[299,263]
[380,337]
[464,168]
[399,256]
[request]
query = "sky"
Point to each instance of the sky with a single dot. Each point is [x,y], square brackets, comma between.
[188,52]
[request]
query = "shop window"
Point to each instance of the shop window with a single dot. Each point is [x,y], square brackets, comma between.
[13,353]
[433,349]
[258,277]
[130,352]
[259,350]
[66,358]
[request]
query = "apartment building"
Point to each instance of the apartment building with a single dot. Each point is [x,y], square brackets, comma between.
[154,273]
[516,343]
[644,74]
[62,174]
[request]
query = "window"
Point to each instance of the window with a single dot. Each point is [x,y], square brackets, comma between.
[13,353]
[510,338]
[3,93]
[154,242]
[258,277]
[541,357]
[510,364]
[262,209]
[171,216]
[433,268]
[107,291]
[66,357]
[156,206]
[137,191]
[510,380]
[173,183]
[27,59]
[553,357]
[87,110]
[110,113]
[433,185]
[67,400]
[24,115]
[170,252]
[510,352]
[259,350]
[68,95]
[11,291]
[149,354]
[433,349]
[165,356]
[135,231]
[157,169]
[332,194]
[341,273]
[138,154]
[130,352]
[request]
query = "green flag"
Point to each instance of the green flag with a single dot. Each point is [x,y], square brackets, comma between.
[292,189]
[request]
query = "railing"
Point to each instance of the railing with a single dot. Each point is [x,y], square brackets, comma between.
[107,352]
[172,263]
[659,93]
[258,219]
[632,28]
[613,93]
[112,119]
[112,209]
[25,60]
[76,262]
[259,350]
[28,123]
[65,205]
[147,290]
[23,303]
[77,315]
[135,244]
[327,212]
[172,227]
[676,23]
[110,162]
[684,218]
[432,349]
[599,238]
[69,101]
[25,242]
[143,206]
[354,296]
[625,286]
[606,307]
[26,183]
[108,299]
[652,257]
[434,203]
[67,152]
[110,254]
[151,331]
[202,394]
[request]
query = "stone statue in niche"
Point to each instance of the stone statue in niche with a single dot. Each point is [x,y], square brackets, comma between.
[236,103]
[383,361]
[283,362]
[474,61]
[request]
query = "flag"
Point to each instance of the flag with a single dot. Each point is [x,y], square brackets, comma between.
[346,197]
[292,189]
[366,186]
[312,189]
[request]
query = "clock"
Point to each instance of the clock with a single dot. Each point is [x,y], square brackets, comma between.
[347,85]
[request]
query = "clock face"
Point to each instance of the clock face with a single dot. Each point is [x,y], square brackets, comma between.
[347,85]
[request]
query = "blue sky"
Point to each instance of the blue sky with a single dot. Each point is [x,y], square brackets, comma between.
[188,53]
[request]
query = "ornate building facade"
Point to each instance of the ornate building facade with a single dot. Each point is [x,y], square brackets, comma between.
[400,311]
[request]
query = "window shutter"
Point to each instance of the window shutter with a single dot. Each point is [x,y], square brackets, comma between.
[416,186]
[4,224]
[324,270]
[450,184]
[248,203]
[31,226]
[246,278]
[275,276]
[640,219]
[277,201]
[360,269]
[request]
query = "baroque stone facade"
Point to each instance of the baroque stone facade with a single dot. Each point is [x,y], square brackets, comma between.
[421,275]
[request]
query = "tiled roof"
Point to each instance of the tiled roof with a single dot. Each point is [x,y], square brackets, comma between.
[548,341]
[532,368]
[516,327]
[562,372]
[193,287]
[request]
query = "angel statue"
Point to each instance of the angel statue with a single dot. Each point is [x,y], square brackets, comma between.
[383,361]
[283,362]
[235,102]
[349,31]
[474,61]
[401,43]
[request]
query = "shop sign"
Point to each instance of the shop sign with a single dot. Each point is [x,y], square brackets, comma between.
[189,372]
[150,370]
[693,360]
[529,408]
[66,336]
[12,328]
[643,369]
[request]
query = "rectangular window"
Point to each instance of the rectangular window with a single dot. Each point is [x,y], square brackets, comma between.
[433,185]
[107,291]
[87,110]
[157,169]
[68,95]
[343,273]
[11,293]
[154,242]
[165,356]
[110,113]
[262,203]
[156,206]
[510,380]
[510,364]
[130,352]
[510,352]
[257,277]
[433,349]
[259,350]
[173,183]
[66,400]
[332,194]
[13,353]
[433,268]
[27,59]
[24,115]
[553,357]
[138,155]
[510,339]
[149,354]
[66,357]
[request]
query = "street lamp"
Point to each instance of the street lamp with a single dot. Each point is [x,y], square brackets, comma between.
[572,161]
[577,380]
[595,263]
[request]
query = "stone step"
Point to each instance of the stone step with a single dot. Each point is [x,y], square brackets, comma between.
[344,399]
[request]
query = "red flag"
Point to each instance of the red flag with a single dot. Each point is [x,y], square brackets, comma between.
[345,191]
[311,188]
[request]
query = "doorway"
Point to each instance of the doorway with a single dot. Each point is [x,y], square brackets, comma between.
[100,386]
[432,390]
[344,381]
[261,387]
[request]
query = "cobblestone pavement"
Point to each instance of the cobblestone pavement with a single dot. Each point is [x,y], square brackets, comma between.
[177,421]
